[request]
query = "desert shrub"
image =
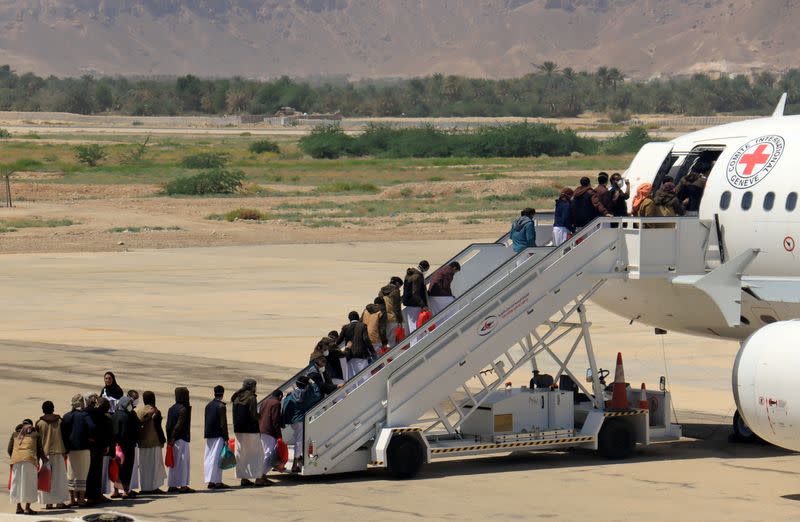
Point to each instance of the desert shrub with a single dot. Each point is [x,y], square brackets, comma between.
[21,165]
[618,115]
[217,181]
[4,133]
[327,142]
[90,155]
[631,141]
[261,146]
[249,214]
[206,160]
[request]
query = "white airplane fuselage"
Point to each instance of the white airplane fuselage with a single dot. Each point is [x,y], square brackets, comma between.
[752,193]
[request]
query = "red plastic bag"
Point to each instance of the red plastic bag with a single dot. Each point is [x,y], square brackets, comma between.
[113,470]
[399,333]
[10,472]
[45,478]
[120,455]
[282,452]
[169,458]
[232,445]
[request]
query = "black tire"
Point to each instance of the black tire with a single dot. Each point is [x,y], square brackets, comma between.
[405,456]
[616,440]
[741,432]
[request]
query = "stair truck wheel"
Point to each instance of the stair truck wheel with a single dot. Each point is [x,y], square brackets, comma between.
[741,431]
[405,456]
[616,440]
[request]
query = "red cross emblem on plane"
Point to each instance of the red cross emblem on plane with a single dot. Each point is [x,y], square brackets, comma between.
[755,159]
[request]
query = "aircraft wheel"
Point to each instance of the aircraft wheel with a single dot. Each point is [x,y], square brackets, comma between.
[405,456]
[616,440]
[742,432]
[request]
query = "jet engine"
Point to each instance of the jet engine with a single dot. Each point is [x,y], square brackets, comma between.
[766,384]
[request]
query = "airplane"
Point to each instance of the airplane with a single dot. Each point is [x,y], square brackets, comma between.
[750,199]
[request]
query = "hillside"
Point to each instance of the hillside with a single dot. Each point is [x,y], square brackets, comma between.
[380,38]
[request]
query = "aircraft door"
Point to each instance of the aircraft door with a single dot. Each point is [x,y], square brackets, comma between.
[648,163]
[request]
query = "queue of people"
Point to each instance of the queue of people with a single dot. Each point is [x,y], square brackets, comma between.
[109,444]
[576,208]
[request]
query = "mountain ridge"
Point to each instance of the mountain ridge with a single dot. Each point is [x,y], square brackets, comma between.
[395,38]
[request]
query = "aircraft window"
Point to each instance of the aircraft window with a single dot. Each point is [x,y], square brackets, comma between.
[769,200]
[725,200]
[791,201]
[747,200]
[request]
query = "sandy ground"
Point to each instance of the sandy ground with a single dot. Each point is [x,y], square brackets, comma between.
[198,317]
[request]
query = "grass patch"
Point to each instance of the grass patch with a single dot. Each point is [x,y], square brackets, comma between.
[136,230]
[347,186]
[13,224]
[321,223]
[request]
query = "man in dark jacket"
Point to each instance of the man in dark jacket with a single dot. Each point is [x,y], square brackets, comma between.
[125,424]
[101,446]
[179,422]
[667,202]
[358,346]
[439,292]
[563,225]
[617,195]
[249,452]
[216,436]
[394,312]
[414,294]
[77,430]
[599,196]
[583,211]
[270,425]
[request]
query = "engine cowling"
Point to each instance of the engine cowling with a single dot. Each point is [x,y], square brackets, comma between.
[766,383]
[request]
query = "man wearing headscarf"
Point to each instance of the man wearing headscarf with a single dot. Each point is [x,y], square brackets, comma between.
[249,451]
[642,199]
[216,437]
[563,224]
[100,448]
[667,202]
[77,429]
[25,450]
[179,421]
[49,428]
[125,424]
[151,446]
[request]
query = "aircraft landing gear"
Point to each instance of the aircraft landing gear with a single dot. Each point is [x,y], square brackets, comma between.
[741,432]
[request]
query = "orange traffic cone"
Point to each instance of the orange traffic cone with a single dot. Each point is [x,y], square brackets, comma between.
[643,404]
[619,397]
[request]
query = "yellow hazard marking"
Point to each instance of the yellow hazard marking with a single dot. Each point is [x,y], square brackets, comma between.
[506,445]
[405,430]
[377,463]
[624,413]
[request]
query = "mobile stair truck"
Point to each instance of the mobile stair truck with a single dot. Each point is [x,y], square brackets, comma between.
[442,392]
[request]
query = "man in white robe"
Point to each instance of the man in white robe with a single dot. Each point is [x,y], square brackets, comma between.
[216,437]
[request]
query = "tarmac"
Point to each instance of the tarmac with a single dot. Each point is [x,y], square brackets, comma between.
[198,317]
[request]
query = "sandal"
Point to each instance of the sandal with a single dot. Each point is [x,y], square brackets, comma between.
[20,511]
[29,511]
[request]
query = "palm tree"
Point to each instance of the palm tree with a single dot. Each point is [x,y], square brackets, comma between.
[615,77]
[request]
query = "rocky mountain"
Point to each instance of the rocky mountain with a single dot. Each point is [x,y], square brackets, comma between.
[387,38]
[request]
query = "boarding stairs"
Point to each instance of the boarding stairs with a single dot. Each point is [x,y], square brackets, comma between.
[512,305]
